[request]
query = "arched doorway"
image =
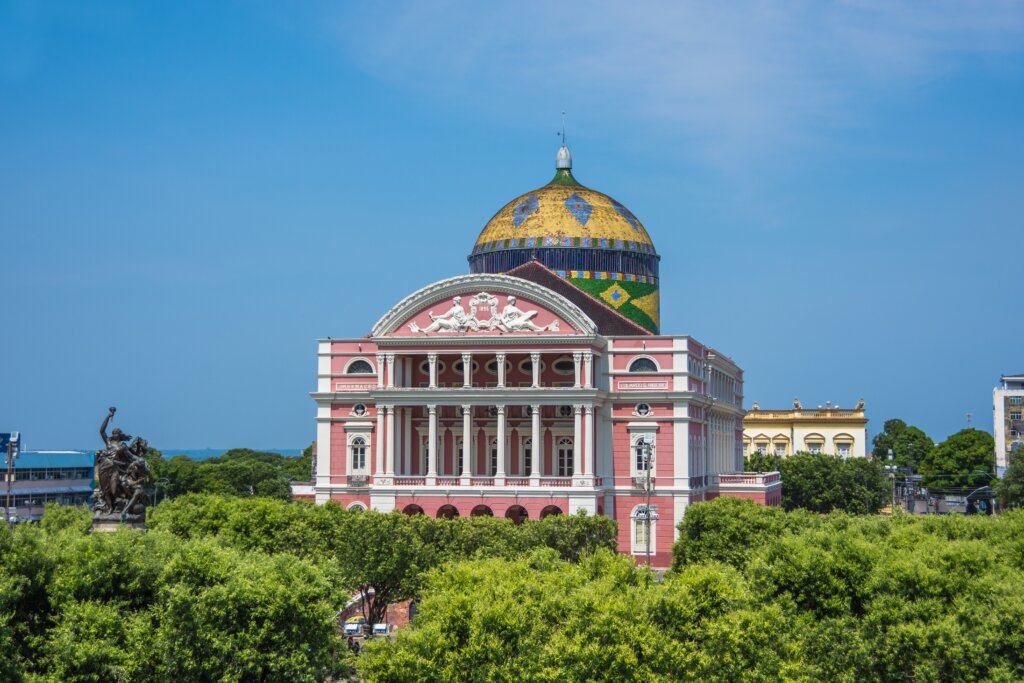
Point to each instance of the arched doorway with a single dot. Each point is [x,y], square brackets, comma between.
[447,512]
[481,511]
[412,509]
[550,510]
[517,513]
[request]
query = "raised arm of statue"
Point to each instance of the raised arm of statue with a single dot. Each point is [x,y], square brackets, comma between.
[106,421]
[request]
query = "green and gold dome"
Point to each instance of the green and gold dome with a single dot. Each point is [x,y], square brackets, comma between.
[582,235]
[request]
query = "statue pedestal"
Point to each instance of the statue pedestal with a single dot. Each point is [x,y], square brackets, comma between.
[103,523]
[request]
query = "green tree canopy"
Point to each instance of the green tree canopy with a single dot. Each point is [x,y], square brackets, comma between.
[1011,487]
[964,460]
[822,483]
[904,441]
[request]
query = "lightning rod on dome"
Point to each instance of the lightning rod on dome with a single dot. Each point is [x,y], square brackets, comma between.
[563,160]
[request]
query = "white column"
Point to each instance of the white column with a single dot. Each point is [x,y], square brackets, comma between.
[576,358]
[389,458]
[536,449]
[588,369]
[378,437]
[391,370]
[467,439]
[535,365]
[380,370]
[432,444]
[501,436]
[407,441]
[432,362]
[588,430]
[467,369]
[500,358]
[577,433]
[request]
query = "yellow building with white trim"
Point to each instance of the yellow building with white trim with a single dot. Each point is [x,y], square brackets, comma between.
[829,429]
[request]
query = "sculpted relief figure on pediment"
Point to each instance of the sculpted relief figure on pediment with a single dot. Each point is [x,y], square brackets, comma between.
[509,319]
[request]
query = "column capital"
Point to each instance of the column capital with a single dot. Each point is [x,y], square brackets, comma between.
[577,356]
[432,410]
[500,355]
[466,408]
[467,356]
[390,356]
[535,407]
[500,408]
[577,409]
[588,409]
[535,356]
[389,409]
[432,356]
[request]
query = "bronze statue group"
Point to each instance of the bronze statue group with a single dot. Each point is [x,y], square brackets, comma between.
[121,474]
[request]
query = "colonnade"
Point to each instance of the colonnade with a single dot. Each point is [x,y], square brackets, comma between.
[387,438]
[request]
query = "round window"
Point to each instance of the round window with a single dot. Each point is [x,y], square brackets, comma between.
[564,366]
[643,409]
[359,409]
[565,411]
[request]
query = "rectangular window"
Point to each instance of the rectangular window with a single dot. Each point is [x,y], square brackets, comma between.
[843,450]
[1015,416]
[814,448]
[780,449]
[762,449]
[1016,400]
[527,458]
[565,464]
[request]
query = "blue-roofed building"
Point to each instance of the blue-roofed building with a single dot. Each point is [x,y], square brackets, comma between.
[40,477]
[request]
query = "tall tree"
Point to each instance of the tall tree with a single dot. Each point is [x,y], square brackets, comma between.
[964,460]
[1011,487]
[905,441]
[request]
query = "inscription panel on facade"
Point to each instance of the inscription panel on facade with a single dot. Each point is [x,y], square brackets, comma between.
[634,385]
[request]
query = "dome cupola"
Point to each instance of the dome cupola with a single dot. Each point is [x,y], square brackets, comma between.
[584,236]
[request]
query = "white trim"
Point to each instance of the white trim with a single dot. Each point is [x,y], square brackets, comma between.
[492,283]
[357,505]
[641,548]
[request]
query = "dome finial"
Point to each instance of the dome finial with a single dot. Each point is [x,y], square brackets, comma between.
[563,160]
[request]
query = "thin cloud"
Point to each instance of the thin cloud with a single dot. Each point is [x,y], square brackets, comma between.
[739,80]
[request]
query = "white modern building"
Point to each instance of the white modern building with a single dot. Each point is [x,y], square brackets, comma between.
[1008,427]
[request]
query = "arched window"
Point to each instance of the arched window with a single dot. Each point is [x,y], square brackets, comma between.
[643,365]
[565,464]
[359,367]
[358,448]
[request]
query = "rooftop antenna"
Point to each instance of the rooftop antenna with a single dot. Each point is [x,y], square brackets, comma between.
[562,134]
[969,417]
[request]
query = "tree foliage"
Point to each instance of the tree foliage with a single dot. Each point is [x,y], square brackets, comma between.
[1011,487]
[905,441]
[964,460]
[755,594]
[237,472]
[822,483]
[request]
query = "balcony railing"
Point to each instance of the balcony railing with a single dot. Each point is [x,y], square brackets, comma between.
[447,481]
[517,481]
[410,481]
[482,481]
[640,481]
[556,481]
[749,479]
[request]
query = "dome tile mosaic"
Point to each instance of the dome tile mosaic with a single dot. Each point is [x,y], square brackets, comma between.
[582,235]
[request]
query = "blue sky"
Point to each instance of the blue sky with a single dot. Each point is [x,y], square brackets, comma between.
[192,193]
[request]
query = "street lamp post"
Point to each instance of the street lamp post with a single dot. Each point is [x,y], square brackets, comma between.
[647,456]
[162,481]
[12,455]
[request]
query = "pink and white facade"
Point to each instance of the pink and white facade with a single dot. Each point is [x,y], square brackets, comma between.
[494,394]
